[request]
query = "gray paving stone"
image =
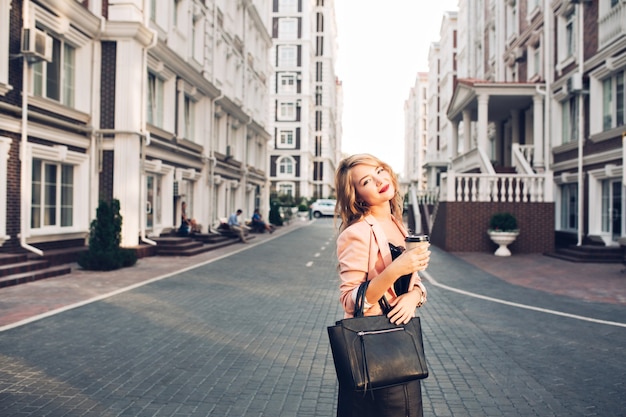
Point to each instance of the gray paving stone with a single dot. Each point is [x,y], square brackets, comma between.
[246,336]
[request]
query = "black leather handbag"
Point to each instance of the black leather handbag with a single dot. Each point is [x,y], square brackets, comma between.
[372,353]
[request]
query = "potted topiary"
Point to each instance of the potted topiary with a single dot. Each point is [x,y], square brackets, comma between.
[503,231]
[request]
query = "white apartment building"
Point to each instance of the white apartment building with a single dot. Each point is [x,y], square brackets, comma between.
[535,122]
[305,96]
[416,133]
[148,102]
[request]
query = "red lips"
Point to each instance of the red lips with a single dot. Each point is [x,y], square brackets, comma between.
[382,190]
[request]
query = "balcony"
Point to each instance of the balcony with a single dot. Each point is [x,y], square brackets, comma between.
[612,25]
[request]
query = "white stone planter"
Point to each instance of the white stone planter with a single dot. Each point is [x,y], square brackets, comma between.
[503,239]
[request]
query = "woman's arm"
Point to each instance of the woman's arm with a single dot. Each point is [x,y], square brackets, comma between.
[410,261]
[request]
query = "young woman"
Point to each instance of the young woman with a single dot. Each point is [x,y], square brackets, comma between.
[370,246]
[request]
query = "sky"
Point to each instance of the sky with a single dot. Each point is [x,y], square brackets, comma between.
[380,51]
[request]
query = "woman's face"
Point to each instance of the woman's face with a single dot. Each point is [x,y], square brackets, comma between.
[373,184]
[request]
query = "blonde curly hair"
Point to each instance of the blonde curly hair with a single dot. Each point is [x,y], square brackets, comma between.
[348,209]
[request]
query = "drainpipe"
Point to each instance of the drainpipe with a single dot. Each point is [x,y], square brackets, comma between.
[212,160]
[581,125]
[145,142]
[24,141]
[145,137]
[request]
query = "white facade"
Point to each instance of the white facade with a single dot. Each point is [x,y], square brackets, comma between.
[304,100]
[169,105]
[535,95]
[416,132]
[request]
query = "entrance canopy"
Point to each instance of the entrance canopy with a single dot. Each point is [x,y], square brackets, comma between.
[502,98]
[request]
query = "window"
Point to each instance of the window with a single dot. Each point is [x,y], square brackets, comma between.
[569,207]
[569,117]
[288,6]
[318,95]
[5,11]
[52,199]
[566,35]
[288,28]
[285,189]
[287,111]
[534,58]
[287,56]
[286,138]
[570,36]
[319,26]
[319,46]
[155,100]
[285,166]
[511,19]
[318,71]
[189,131]
[56,80]
[613,111]
[287,83]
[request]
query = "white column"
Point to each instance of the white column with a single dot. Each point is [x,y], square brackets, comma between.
[455,139]
[538,128]
[483,120]
[467,131]
[127,175]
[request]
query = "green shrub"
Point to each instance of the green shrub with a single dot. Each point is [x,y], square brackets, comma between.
[503,222]
[104,252]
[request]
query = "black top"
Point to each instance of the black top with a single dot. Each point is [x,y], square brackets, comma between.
[401,285]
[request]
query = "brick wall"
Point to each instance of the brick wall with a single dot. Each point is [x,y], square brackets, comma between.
[462,226]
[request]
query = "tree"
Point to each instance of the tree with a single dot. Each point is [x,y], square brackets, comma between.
[104,252]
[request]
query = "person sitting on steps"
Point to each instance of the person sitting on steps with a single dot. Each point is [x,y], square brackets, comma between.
[233,222]
[187,225]
[258,224]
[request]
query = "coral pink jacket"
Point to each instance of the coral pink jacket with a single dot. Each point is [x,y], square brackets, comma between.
[363,253]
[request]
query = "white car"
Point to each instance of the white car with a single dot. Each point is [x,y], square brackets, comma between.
[323,207]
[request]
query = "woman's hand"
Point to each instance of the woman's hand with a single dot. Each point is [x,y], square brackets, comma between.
[404,307]
[412,260]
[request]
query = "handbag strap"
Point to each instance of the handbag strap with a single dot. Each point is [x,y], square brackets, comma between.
[360,301]
[360,295]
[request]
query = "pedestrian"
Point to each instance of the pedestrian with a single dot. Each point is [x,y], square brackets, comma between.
[233,222]
[258,223]
[371,236]
[187,225]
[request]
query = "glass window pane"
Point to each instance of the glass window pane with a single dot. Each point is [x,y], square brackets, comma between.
[605,206]
[50,194]
[607,103]
[619,99]
[68,76]
[67,195]
[53,72]
[35,206]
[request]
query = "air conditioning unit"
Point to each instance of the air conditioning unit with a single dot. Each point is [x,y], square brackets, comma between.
[36,44]
[575,83]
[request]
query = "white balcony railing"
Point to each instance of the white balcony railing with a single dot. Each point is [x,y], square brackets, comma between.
[513,188]
[522,158]
[612,24]
[474,159]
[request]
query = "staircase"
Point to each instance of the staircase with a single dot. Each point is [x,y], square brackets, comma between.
[589,254]
[24,267]
[174,245]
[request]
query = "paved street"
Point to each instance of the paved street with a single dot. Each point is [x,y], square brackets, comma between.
[244,334]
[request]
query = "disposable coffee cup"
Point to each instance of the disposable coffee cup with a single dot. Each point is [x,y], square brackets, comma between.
[413,241]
